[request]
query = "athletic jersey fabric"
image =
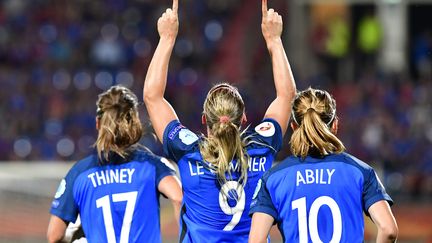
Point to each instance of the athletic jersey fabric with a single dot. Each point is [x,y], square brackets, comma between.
[117,201]
[206,215]
[319,199]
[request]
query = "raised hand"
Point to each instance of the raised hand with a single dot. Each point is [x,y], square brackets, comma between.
[168,23]
[271,24]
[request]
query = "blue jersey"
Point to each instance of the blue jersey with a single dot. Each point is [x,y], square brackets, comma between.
[208,215]
[319,200]
[117,201]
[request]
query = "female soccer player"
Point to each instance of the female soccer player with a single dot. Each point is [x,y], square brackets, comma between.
[116,189]
[219,172]
[320,193]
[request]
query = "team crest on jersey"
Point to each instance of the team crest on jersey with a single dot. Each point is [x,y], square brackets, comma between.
[265,129]
[257,188]
[187,137]
[61,189]
[55,203]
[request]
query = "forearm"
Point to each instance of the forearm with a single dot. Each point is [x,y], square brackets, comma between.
[282,74]
[170,186]
[156,78]
[177,209]
[383,218]
[159,110]
[280,108]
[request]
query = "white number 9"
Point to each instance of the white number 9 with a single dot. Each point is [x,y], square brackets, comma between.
[237,210]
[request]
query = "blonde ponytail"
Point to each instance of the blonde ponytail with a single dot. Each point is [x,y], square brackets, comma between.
[224,146]
[119,124]
[224,110]
[314,112]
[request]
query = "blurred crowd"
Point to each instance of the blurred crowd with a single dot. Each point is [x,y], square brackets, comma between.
[57,56]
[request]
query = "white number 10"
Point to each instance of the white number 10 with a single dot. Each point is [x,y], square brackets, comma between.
[235,211]
[104,203]
[300,204]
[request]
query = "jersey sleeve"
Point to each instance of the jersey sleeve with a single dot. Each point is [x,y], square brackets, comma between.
[269,133]
[261,200]
[63,205]
[373,191]
[163,169]
[178,140]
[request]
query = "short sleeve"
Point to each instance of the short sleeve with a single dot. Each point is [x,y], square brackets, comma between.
[373,191]
[269,133]
[163,169]
[261,200]
[178,140]
[63,205]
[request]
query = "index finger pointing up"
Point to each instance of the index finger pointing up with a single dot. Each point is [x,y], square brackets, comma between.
[175,6]
[264,7]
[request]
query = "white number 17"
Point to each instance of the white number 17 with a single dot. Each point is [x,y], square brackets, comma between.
[104,203]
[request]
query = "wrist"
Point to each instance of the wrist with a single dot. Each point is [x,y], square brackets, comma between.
[273,43]
[167,40]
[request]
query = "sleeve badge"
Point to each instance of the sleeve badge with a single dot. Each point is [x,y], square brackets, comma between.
[265,129]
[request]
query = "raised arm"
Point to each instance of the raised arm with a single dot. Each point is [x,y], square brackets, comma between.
[280,108]
[160,111]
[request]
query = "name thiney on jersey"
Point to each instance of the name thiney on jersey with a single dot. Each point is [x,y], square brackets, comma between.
[110,176]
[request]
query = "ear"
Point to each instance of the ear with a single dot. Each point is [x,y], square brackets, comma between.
[335,126]
[97,123]
[203,119]
[294,126]
[244,119]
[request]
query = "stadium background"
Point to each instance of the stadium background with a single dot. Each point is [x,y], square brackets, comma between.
[56,56]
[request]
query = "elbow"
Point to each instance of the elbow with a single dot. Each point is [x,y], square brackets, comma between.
[291,93]
[288,94]
[54,237]
[393,234]
[390,232]
[290,97]
[148,96]
[177,201]
[151,99]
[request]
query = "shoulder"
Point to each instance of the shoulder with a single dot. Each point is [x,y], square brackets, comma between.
[267,133]
[266,128]
[179,141]
[356,162]
[281,167]
[79,168]
[146,156]
[176,130]
[83,165]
